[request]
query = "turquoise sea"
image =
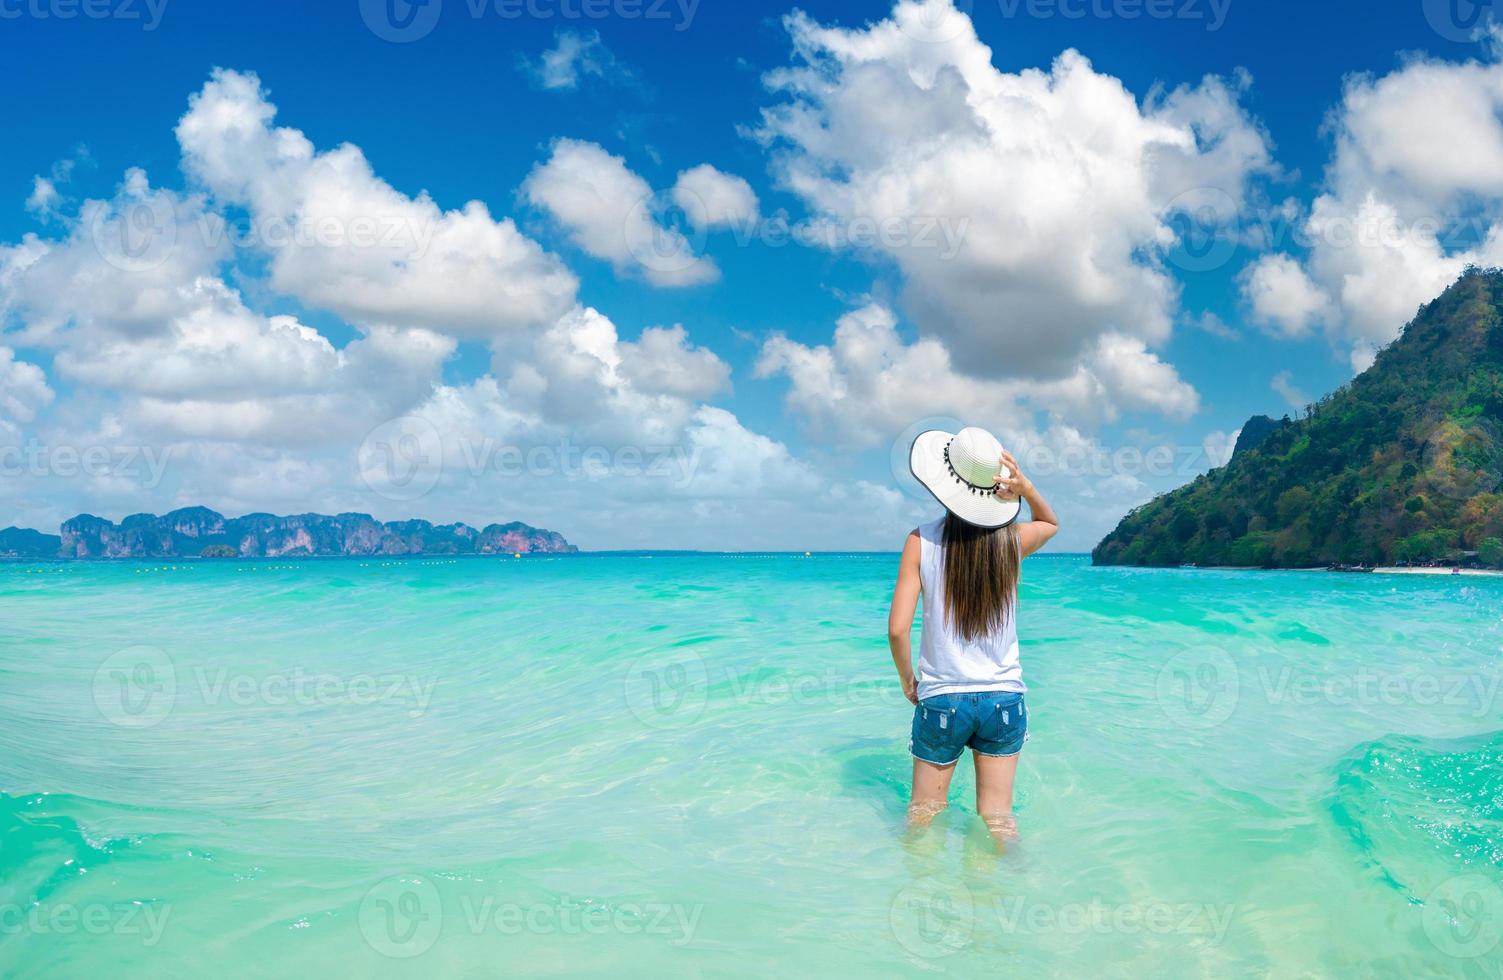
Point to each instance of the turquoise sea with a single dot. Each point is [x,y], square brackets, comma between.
[696,765]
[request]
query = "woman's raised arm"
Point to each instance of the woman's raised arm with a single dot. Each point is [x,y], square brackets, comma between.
[1034,533]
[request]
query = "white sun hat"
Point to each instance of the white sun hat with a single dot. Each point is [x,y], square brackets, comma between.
[961,471]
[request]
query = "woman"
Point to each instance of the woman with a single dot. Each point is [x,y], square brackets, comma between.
[969,687]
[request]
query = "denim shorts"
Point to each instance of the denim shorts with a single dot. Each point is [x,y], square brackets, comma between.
[989,722]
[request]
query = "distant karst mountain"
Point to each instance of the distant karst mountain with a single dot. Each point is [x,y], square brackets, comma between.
[1404,463]
[21,542]
[199,532]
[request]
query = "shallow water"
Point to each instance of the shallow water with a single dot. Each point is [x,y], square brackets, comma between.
[652,764]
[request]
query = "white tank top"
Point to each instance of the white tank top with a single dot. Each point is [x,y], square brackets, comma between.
[947,662]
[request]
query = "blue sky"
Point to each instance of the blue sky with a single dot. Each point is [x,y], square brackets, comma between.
[1304,123]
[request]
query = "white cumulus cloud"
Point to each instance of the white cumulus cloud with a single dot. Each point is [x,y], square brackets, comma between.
[1283,384]
[1414,193]
[714,199]
[23,388]
[613,214]
[869,383]
[574,55]
[1061,181]
[1283,296]
[343,239]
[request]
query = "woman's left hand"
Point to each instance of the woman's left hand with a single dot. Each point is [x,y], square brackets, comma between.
[1014,484]
[910,689]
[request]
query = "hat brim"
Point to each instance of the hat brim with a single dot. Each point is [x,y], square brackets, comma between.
[926,461]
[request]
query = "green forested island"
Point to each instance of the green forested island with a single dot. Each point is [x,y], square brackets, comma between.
[1402,464]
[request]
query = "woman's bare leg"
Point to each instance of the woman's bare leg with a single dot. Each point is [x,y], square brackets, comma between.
[931,792]
[994,778]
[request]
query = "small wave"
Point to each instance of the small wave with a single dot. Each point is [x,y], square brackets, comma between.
[1422,810]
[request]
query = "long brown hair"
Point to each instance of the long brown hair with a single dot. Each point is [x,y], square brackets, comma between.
[981,576]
